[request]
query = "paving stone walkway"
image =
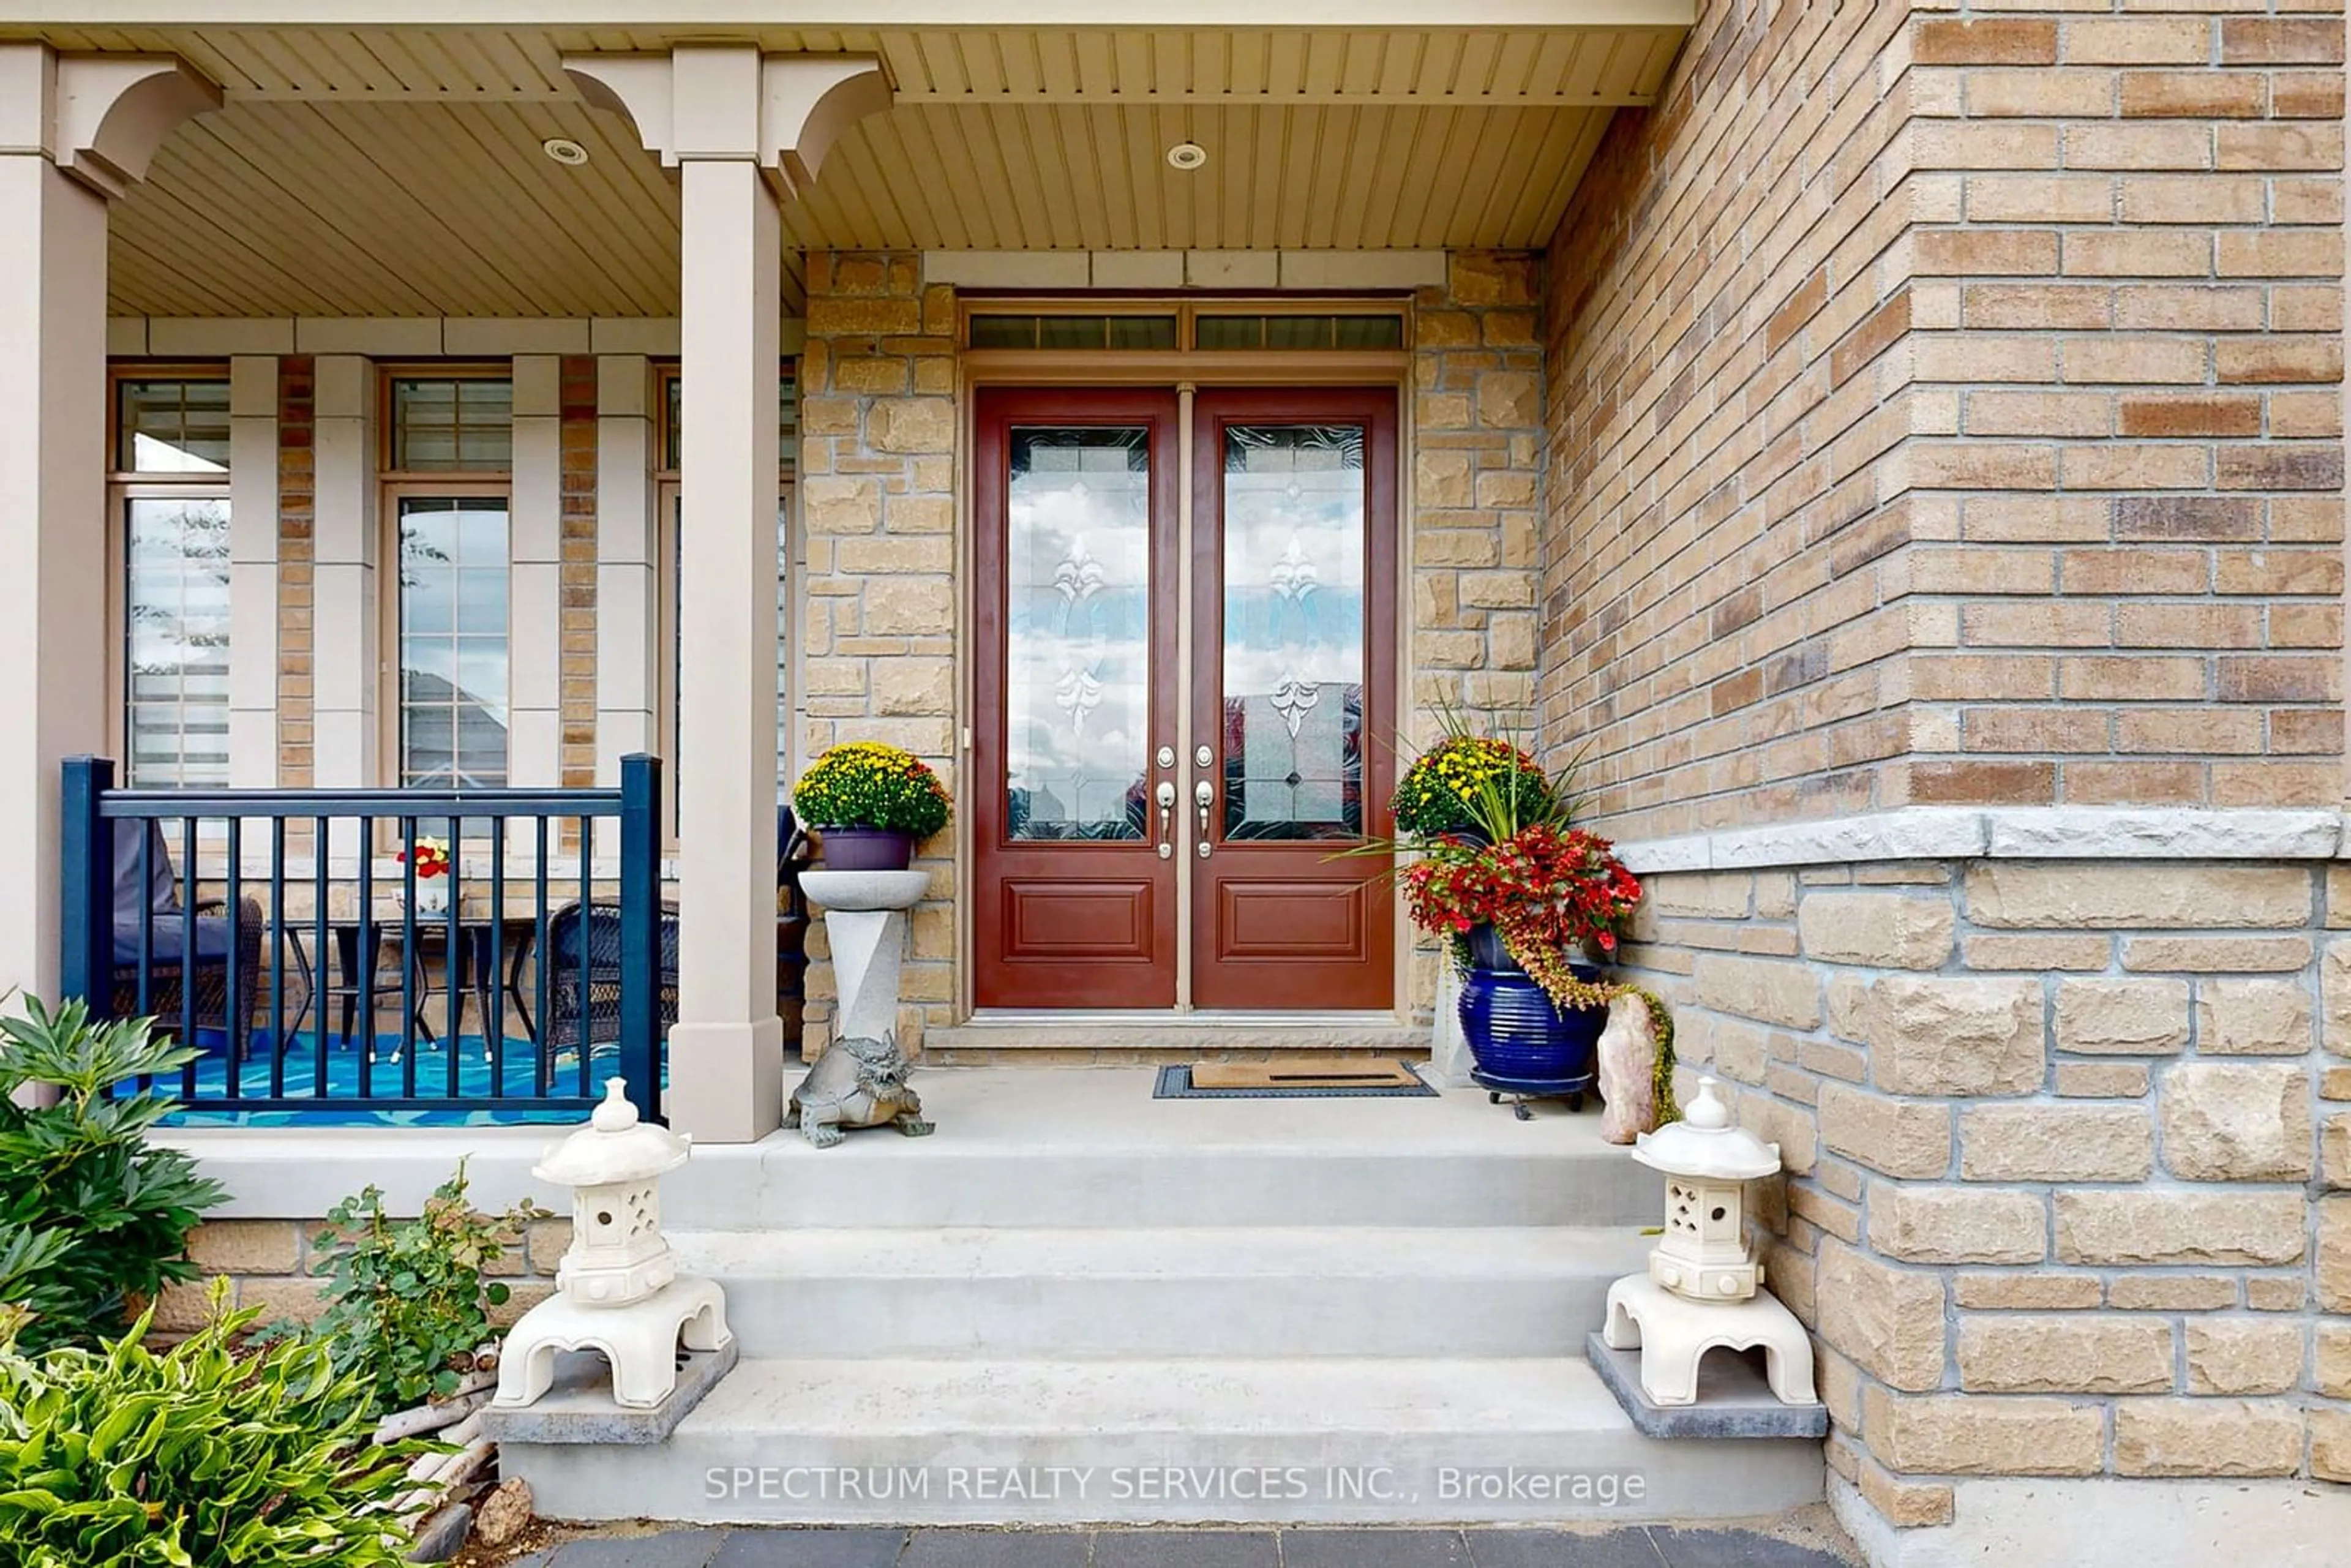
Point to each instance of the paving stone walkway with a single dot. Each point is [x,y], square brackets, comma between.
[1653,1547]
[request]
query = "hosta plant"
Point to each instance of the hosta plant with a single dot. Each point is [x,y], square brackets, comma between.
[83,1170]
[407,1306]
[197,1457]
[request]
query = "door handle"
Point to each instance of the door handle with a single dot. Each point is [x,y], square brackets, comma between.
[1204,795]
[1165,795]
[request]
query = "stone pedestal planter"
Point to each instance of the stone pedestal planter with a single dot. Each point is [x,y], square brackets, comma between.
[865,924]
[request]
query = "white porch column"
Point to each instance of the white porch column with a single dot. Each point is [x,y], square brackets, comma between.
[253,571]
[732,121]
[346,595]
[628,576]
[535,596]
[73,132]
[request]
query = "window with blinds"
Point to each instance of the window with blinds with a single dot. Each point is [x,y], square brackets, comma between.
[171,506]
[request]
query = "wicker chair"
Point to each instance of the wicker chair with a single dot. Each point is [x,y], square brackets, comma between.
[585,940]
[144,880]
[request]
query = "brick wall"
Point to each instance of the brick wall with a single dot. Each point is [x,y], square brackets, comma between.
[1946,410]
[577,438]
[878,603]
[297,514]
[2067,1158]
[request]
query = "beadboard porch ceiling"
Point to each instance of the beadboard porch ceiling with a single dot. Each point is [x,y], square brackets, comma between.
[398,172]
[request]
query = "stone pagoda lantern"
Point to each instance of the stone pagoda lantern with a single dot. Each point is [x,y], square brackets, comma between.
[1704,1290]
[618,1290]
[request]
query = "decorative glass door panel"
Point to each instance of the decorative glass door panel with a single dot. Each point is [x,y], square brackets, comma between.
[1294,576]
[1078,585]
[1074,873]
[1294,507]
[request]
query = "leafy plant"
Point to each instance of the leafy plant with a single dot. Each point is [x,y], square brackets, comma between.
[408,1305]
[1481,786]
[200,1457]
[865,784]
[82,1170]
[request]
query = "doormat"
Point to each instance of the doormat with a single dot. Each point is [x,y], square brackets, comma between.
[1350,1078]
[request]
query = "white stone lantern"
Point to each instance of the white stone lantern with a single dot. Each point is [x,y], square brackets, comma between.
[1704,1290]
[1707,1162]
[618,1290]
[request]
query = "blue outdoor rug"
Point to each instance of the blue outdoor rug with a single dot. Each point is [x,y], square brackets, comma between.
[346,1104]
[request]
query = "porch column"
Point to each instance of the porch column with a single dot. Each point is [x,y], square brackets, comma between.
[253,571]
[345,541]
[628,610]
[741,129]
[535,599]
[73,134]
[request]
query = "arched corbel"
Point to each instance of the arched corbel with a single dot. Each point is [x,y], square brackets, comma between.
[113,111]
[728,101]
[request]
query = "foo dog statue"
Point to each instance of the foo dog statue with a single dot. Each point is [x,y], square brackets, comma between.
[1628,1063]
[857,1083]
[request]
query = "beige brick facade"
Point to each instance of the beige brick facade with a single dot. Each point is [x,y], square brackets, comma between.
[1946,410]
[2050,1222]
[297,513]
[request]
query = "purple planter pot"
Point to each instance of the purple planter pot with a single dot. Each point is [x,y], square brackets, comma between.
[867,849]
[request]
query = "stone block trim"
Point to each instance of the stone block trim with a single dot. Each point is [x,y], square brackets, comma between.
[268,1263]
[2060,1219]
[878,601]
[1953,402]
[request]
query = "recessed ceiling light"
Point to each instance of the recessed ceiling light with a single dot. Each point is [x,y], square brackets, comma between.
[564,150]
[1186,155]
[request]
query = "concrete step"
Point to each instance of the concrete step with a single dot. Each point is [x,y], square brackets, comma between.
[1336,1440]
[1080,1149]
[1345,1291]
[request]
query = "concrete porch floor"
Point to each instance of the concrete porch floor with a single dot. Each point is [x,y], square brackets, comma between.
[1807,1538]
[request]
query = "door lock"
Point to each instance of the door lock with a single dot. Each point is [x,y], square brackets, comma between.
[1202,757]
[1166,794]
[1166,757]
[1204,795]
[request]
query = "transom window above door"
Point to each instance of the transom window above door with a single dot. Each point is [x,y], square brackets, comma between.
[1217,326]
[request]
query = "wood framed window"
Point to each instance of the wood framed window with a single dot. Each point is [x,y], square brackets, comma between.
[447,575]
[168,580]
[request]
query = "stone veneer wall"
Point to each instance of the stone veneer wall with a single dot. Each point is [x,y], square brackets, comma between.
[1475,456]
[1944,409]
[877,596]
[879,425]
[268,1263]
[2068,1144]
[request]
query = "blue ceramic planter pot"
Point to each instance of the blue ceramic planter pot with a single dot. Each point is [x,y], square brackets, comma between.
[1515,1033]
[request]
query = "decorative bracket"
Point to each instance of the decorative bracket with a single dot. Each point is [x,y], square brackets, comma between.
[99,118]
[703,101]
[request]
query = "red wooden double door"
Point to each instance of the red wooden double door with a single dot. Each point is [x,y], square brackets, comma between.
[1184,713]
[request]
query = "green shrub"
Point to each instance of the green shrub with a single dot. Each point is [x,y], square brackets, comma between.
[196,1458]
[406,1308]
[82,1169]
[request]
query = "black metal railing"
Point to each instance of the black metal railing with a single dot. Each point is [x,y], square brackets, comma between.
[240,924]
